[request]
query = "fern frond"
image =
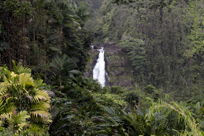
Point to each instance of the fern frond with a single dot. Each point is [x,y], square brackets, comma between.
[182,111]
[20,122]
[35,130]
[18,68]
[20,118]
[3,88]
[26,80]
[5,116]
[41,96]
[40,106]
[43,115]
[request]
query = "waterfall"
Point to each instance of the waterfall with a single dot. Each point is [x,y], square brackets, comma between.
[99,72]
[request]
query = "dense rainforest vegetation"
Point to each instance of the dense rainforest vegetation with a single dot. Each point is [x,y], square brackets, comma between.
[45,46]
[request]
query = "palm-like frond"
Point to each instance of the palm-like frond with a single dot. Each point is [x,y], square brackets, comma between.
[5,116]
[41,96]
[155,121]
[22,102]
[35,130]
[19,121]
[181,111]
[3,88]
[40,106]
[25,80]
[1,106]
[18,68]
[41,116]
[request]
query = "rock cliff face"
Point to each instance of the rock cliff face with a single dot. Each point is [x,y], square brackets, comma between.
[119,72]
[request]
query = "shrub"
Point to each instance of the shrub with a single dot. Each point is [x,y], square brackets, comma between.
[24,104]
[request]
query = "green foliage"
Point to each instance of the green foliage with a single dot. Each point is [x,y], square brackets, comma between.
[24,103]
[17,9]
[123,1]
[132,98]
[116,89]
[14,17]
[74,107]
[77,109]
[134,48]
[163,40]
[95,111]
[44,35]
[183,114]
[108,99]
[161,119]
[6,132]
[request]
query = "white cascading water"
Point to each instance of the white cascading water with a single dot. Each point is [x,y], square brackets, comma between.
[99,72]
